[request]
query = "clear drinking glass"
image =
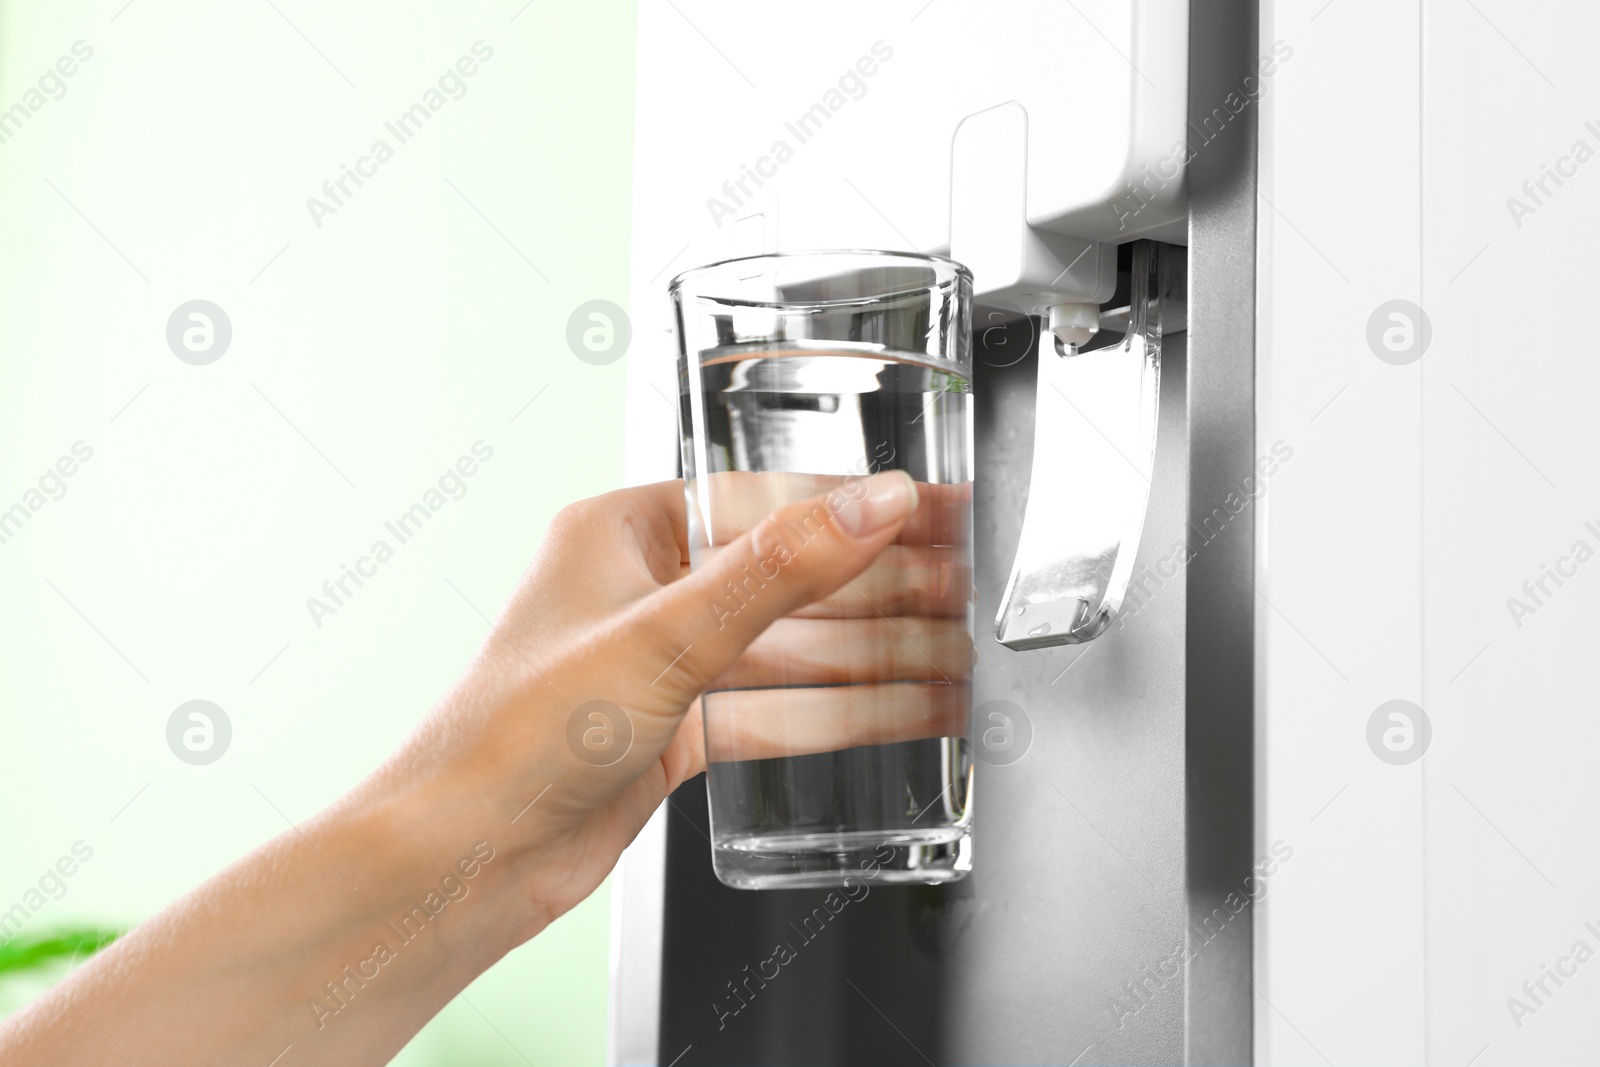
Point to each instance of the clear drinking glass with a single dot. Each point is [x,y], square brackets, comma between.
[837,747]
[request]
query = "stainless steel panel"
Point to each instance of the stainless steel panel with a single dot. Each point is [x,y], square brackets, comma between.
[1077,889]
[1045,954]
[1221,612]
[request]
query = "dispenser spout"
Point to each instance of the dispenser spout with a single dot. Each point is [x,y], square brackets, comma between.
[1074,324]
[1093,457]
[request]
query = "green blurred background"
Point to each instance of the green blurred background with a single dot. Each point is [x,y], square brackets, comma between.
[427,313]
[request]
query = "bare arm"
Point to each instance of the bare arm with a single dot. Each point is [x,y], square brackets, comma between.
[341,938]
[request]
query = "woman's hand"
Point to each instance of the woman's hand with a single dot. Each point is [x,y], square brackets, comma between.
[583,701]
[886,657]
[507,806]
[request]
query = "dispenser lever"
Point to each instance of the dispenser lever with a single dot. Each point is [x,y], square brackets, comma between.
[1093,452]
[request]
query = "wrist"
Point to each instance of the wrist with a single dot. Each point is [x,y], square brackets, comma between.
[431,873]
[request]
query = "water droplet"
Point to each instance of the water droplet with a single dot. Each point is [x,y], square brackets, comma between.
[1040,630]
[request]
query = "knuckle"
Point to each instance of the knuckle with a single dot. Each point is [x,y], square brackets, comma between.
[577,518]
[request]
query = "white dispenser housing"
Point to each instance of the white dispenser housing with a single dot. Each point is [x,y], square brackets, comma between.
[1025,141]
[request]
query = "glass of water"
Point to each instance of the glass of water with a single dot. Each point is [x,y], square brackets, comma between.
[837,747]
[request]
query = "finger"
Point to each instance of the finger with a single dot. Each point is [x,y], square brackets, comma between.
[685,755]
[797,554]
[603,553]
[649,521]
[797,651]
[911,580]
[746,724]
[903,580]
[728,503]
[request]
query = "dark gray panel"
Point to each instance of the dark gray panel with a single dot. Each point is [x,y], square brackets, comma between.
[883,957]
[1220,635]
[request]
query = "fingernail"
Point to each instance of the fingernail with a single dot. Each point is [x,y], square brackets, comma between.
[881,500]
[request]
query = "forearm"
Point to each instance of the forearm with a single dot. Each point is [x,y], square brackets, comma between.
[340,939]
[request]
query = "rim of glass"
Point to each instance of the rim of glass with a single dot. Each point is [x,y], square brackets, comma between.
[947,271]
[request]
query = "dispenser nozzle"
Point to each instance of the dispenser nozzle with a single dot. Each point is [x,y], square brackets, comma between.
[1074,324]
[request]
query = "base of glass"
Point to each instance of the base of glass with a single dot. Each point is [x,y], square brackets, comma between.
[805,861]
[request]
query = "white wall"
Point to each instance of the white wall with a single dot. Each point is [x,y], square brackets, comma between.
[1420,498]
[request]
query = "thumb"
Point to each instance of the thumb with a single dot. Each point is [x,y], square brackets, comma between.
[800,553]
